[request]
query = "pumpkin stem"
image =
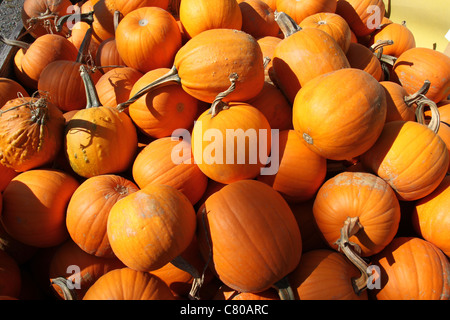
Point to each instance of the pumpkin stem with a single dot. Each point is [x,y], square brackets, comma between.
[84,48]
[87,17]
[43,19]
[435,115]
[266,61]
[166,79]
[67,290]
[409,100]
[350,228]
[287,25]
[15,43]
[218,104]
[197,283]
[284,289]
[377,47]
[388,59]
[91,93]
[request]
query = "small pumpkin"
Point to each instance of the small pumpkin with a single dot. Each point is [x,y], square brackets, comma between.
[107,57]
[10,89]
[258,19]
[268,44]
[126,6]
[301,9]
[402,38]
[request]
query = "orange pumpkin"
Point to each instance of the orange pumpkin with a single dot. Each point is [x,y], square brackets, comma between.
[363,16]
[250,210]
[268,44]
[324,274]
[88,210]
[226,293]
[40,122]
[107,57]
[10,89]
[300,170]
[411,269]
[197,16]
[430,216]
[126,6]
[301,9]
[402,38]
[361,57]
[148,38]
[165,213]
[258,19]
[170,162]
[340,122]
[40,220]
[128,284]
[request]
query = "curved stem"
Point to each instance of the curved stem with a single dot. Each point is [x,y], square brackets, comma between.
[67,290]
[15,43]
[166,79]
[197,283]
[435,115]
[388,59]
[284,289]
[287,25]
[377,47]
[91,93]
[350,228]
[87,17]
[409,100]
[218,104]
[84,48]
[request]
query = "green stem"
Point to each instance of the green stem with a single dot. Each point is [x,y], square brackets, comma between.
[92,100]
[63,284]
[87,17]
[198,279]
[284,289]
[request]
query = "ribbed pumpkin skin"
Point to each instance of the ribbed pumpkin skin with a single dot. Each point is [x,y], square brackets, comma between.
[126,6]
[303,56]
[430,216]
[9,89]
[148,38]
[254,236]
[323,274]
[68,255]
[410,157]
[416,65]
[331,23]
[412,269]
[301,171]
[197,16]
[128,284]
[10,276]
[206,62]
[342,121]
[100,140]
[107,55]
[362,195]
[168,219]
[214,158]
[301,9]
[361,57]
[403,39]
[22,147]
[88,210]
[40,220]
[363,16]
[397,109]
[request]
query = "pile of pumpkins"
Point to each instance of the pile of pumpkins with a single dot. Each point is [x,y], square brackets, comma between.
[116,182]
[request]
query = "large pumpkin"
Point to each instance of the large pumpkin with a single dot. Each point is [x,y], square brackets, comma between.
[88,210]
[340,122]
[99,139]
[39,220]
[249,236]
[411,269]
[31,133]
[166,215]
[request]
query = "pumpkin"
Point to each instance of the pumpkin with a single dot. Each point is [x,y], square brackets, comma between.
[128,284]
[126,6]
[363,16]
[430,216]
[163,110]
[6,174]
[166,215]
[197,16]
[231,144]
[226,293]
[170,162]
[115,85]
[300,172]
[88,210]
[10,89]
[249,236]
[411,268]
[204,64]
[10,276]
[78,34]
[361,57]
[107,57]
[99,139]
[37,55]
[331,23]
[410,156]
[301,9]
[324,274]
[258,19]
[39,16]
[417,65]
[340,122]
[303,55]
[32,131]
[364,197]
[267,45]
[402,38]
[73,271]
[148,38]
[40,220]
